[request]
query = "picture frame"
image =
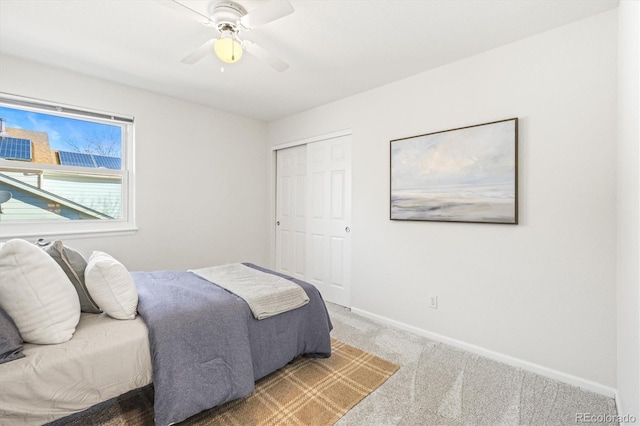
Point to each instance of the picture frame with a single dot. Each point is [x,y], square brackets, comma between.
[467,174]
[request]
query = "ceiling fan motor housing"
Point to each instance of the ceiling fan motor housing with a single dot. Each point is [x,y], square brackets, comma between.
[226,14]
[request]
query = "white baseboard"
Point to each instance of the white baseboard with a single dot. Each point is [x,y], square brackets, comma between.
[496,356]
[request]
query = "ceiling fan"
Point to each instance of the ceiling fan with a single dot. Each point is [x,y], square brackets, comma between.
[231,19]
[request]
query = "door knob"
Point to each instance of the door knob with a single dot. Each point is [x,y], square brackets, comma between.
[278,223]
[347,229]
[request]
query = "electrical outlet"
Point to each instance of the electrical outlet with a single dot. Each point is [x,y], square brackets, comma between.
[433,301]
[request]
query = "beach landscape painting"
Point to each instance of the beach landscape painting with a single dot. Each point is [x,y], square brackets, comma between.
[469,174]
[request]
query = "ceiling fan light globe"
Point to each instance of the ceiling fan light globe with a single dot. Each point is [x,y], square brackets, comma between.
[228,50]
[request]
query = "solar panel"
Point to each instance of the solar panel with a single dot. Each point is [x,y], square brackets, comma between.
[108,162]
[68,158]
[76,159]
[15,149]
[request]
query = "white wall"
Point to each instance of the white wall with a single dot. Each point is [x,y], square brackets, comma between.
[543,291]
[628,209]
[201,196]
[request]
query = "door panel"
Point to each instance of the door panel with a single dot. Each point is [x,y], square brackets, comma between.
[291,187]
[329,164]
[337,195]
[337,262]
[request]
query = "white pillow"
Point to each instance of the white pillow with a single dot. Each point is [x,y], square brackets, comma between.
[111,286]
[37,294]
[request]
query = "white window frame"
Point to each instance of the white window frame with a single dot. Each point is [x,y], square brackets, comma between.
[34,229]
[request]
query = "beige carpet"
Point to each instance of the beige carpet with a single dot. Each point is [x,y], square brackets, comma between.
[307,392]
[442,385]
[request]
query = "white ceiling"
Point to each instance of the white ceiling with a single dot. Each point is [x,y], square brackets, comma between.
[335,48]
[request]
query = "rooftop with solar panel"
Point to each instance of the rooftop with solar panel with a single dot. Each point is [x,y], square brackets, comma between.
[20,148]
[48,190]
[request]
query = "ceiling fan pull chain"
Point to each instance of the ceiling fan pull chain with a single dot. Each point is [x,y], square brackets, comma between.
[233,52]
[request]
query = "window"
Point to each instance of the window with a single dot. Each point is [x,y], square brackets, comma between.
[64,170]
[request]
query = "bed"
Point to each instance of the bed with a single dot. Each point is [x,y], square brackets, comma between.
[199,344]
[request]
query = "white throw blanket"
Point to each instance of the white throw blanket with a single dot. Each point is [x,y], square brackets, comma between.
[266,294]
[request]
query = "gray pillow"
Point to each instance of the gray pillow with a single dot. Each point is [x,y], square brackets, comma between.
[73,264]
[10,339]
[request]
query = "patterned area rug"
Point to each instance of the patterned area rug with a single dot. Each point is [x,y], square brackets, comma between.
[306,392]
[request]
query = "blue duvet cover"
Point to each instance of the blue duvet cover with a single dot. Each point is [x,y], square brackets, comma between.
[206,346]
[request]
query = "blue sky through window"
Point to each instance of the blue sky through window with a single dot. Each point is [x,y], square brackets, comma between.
[68,134]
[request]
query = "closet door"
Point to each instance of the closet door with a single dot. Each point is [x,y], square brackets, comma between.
[329,218]
[313,215]
[291,220]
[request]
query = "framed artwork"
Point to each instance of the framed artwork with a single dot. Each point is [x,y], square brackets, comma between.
[468,174]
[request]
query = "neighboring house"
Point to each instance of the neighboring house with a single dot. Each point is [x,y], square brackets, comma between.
[28,202]
[56,194]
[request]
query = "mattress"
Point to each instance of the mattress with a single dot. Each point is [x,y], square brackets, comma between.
[104,359]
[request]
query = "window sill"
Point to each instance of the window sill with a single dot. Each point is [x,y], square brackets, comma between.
[89,232]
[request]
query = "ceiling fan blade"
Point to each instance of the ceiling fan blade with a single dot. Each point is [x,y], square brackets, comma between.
[203,50]
[186,11]
[272,60]
[271,11]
